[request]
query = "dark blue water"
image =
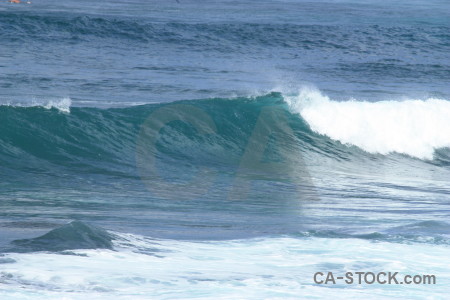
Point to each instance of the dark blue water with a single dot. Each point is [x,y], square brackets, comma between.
[269,132]
[103,54]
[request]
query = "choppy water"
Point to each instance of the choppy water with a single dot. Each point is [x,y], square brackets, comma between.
[222,148]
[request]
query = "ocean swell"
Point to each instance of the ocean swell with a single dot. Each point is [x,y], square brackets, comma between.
[53,136]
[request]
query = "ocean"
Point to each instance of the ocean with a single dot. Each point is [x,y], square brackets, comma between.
[224,149]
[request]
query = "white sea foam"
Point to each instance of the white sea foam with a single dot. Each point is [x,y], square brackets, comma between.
[413,127]
[270,268]
[62,104]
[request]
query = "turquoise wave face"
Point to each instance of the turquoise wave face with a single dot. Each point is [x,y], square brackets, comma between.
[106,141]
[115,141]
[36,139]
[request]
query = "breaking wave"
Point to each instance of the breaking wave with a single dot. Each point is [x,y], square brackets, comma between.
[413,127]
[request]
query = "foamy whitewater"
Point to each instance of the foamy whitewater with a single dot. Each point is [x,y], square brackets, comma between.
[413,127]
[278,268]
[62,105]
[223,149]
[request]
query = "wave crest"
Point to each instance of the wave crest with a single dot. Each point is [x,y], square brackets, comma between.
[413,127]
[63,105]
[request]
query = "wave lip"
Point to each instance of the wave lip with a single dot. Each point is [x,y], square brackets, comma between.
[63,104]
[413,127]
